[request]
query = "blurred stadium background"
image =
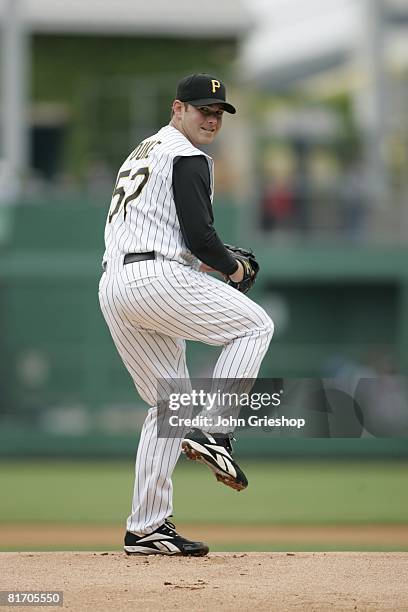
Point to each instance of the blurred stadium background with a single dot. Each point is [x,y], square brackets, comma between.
[311,173]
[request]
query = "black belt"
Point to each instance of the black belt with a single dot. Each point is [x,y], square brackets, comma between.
[132,257]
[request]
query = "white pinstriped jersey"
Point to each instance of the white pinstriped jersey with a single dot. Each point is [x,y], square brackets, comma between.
[153,307]
[142,216]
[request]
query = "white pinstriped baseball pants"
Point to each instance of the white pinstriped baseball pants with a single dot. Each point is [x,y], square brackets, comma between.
[151,308]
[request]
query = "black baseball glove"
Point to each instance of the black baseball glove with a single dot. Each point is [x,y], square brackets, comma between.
[250,265]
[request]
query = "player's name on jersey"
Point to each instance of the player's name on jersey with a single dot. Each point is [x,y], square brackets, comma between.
[144,149]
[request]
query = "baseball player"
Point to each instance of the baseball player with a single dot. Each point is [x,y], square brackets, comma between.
[155,294]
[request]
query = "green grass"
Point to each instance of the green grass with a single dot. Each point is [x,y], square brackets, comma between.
[299,492]
[309,492]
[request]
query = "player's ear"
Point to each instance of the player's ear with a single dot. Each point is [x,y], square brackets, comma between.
[177,107]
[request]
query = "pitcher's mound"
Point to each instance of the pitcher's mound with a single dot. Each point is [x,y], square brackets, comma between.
[221,581]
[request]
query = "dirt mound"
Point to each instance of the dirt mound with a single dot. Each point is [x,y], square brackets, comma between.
[223,581]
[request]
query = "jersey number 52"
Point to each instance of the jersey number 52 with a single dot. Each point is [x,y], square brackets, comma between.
[120,191]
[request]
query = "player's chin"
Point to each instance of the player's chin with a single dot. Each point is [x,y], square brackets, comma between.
[207,136]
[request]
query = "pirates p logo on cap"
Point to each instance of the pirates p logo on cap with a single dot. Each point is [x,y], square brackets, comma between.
[215,85]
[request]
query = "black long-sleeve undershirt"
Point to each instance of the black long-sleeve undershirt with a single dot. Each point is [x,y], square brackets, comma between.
[191,190]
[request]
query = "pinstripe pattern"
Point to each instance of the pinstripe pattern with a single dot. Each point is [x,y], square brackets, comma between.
[147,226]
[153,307]
[150,314]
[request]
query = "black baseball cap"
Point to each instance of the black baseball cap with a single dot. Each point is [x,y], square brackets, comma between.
[200,89]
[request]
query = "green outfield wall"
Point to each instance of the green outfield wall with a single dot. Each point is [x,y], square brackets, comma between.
[63,389]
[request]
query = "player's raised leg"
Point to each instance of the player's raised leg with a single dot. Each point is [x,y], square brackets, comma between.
[187,303]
